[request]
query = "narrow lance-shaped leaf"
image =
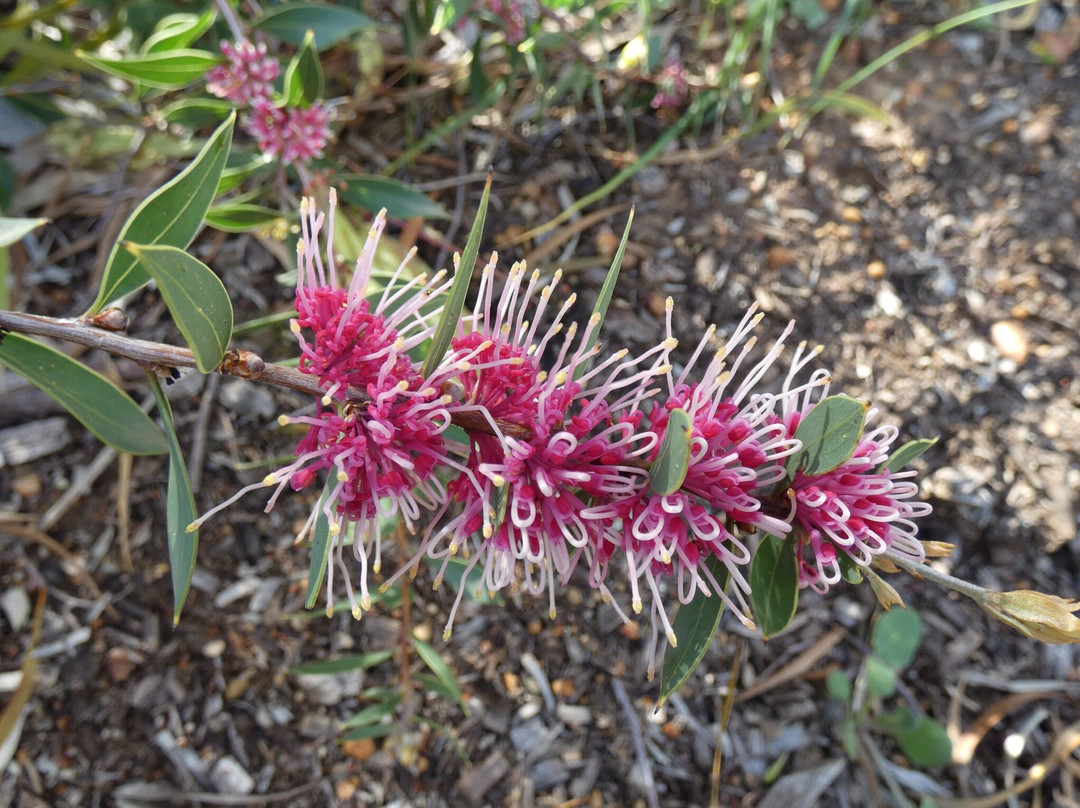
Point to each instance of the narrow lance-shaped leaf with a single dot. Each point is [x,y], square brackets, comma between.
[344,664]
[442,671]
[13,230]
[179,510]
[673,460]
[375,193]
[165,71]
[304,75]
[774,585]
[96,402]
[607,290]
[695,626]
[907,453]
[830,433]
[320,552]
[172,216]
[331,24]
[242,217]
[196,299]
[455,299]
[178,31]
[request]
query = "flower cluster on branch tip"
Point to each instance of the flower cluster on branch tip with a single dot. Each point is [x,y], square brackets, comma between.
[550,464]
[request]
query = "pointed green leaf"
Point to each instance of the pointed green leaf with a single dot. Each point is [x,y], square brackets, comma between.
[242,217]
[839,686]
[172,215]
[97,403]
[472,584]
[927,744]
[196,299]
[178,31]
[880,678]
[606,291]
[241,166]
[907,453]
[320,550]
[165,71]
[849,570]
[304,75]
[374,713]
[13,230]
[375,193]
[344,664]
[370,731]
[673,460]
[433,659]
[450,318]
[290,22]
[179,510]
[830,432]
[695,626]
[197,112]
[774,585]
[896,637]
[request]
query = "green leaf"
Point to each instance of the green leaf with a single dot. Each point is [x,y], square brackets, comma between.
[290,22]
[473,584]
[344,664]
[197,112]
[172,215]
[374,193]
[374,713]
[178,31]
[241,166]
[241,217]
[455,299]
[849,570]
[320,550]
[13,230]
[179,510]
[880,678]
[839,686]
[165,71]
[370,731]
[607,290]
[196,299]
[830,432]
[896,637]
[673,459]
[304,75]
[907,453]
[695,626]
[774,585]
[922,740]
[433,683]
[433,659]
[97,403]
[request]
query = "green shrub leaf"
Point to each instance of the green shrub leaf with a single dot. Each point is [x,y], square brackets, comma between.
[375,193]
[607,290]
[927,745]
[13,230]
[695,626]
[673,460]
[241,217]
[907,453]
[172,216]
[178,31]
[438,666]
[196,299]
[830,432]
[165,71]
[896,637]
[290,22]
[304,75]
[774,585]
[344,664]
[96,402]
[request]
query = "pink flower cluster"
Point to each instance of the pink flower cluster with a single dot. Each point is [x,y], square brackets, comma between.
[554,472]
[671,85]
[291,134]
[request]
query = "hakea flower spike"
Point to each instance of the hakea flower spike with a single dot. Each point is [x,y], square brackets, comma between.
[377,430]
[558,439]
[246,77]
[860,508]
[737,453]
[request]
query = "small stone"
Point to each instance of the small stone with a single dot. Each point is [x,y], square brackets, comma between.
[920,159]
[1010,338]
[651,181]
[120,662]
[359,750]
[738,196]
[574,714]
[26,484]
[15,604]
[534,627]
[229,777]
[851,215]
[779,257]
[671,729]
[1010,126]
[606,242]
[512,683]
[631,631]
[564,688]
[346,789]
[875,270]
[422,632]
[214,648]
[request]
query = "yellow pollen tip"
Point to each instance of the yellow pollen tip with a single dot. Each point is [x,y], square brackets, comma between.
[446,634]
[270,479]
[453,548]
[594,321]
[560,377]
[570,301]
[557,276]
[436,584]
[672,640]
[402,386]
[498,480]
[670,344]
[294,326]
[759,317]
[535,275]
[664,369]
[383,588]
[517,360]
[545,293]
[489,531]
[330,611]
[283,420]
[541,376]
[551,614]
[636,605]
[620,354]
[192,527]
[335,529]
[605,598]
[486,344]
[447,399]
[357,612]
[399,344]
[342,477]
[365,603]
[463,366]
[665,557]
[303,204]
[428,391]
[327,400]
[333,196]
[669,304]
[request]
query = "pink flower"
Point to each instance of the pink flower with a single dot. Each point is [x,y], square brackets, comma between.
[246,77]
[671,85]
[377,430]
[292,134]
[512,15]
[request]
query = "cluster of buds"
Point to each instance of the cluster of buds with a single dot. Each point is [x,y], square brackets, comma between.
[293,134]
[672,85]
[550,464]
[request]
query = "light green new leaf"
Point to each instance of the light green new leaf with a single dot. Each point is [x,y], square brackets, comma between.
[673,460]
[178,31]
[344,664]
[13,230]
[774,585]
[375,193]
[179,510]
[450,318]
[927,744]
[197,112]
[695,626]
[290,22]
[241,217]
[304,75]
[196,298]
[442,671]
[97,403]
[320,551]
[165,71]
[907,453]
[896,637]
[375,712]
[606,292]
[370,731]
[830,432]
[172,215]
